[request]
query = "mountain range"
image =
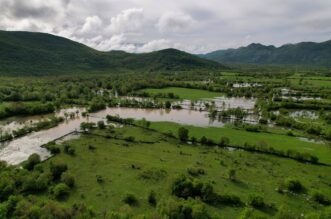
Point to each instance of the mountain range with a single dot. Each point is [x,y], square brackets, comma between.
[304,53]
[41,53]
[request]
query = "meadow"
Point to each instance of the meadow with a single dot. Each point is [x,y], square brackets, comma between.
[152,161]
[240,137]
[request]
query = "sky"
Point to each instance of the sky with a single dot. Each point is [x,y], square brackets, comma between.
[195,26]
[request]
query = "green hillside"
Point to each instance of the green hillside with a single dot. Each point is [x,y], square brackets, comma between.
[40,53]
[305,53]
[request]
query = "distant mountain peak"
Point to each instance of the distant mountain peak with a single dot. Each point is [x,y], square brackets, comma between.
[304,53]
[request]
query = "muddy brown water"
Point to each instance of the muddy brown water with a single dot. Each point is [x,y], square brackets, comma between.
[18,150]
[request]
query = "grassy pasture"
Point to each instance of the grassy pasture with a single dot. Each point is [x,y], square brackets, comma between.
[113,160]
[239,137]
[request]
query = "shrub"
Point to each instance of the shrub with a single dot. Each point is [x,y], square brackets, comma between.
[290,133]
[183,134]
[32,161]
[152,198]
[203,140]
[229,200]
[167,104]
[184,209]
[61,190]
[101,125]
[232,174]
[91,147]
[252,128]
[68,179]
[225,141]
[57,170]
[130,139]
[293,185]
[69,150]
[256,201]
[86,126]
[53,149]
[263,121]
[154,174]
[99,179]
[130,199]
[321,198]
[195,171]
[184,187]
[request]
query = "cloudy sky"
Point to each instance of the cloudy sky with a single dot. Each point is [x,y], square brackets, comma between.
[195,26]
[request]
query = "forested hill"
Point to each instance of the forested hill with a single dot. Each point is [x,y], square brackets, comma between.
[305,53]
[40,53]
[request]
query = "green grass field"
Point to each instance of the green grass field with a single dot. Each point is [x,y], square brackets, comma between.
[239,137]
[113,159]
[185,93]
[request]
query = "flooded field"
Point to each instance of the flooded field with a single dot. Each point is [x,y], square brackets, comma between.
[19,149]
[219,103]
[238,85]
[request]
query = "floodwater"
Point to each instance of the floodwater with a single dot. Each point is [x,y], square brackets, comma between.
[18,150]
[238,85]
[219,103]
[311,140]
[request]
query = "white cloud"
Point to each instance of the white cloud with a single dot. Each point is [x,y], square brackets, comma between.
[91,26]
[190,25]
[175,22]
[127,21]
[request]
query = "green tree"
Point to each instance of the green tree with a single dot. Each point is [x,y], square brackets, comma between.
[183,134]
[61,190]
[32,161]
[167,104]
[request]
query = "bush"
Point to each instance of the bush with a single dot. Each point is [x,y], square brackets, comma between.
[290,133]
[130,199]
[32,161]
[101,125]
[183,209]
[195,171]
[61,190]
[183,134]
[57,170]
[35,183]
[53,149]
[232,174]
[293,185]
[130,139]
[68,179]
[225,141]
[203,140]
[86,126]
[263,121]
[229,200]
[252,128]
[167,104]
[321,198]
[184,187]
[99,179]
[69,150]
[152,198]
[256,201]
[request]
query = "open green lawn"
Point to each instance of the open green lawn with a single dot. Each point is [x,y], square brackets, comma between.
[239,137]
[113,159]
[185,93]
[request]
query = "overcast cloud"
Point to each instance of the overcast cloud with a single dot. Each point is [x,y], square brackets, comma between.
[192,25]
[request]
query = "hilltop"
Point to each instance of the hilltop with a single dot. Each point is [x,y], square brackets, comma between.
[41,53]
